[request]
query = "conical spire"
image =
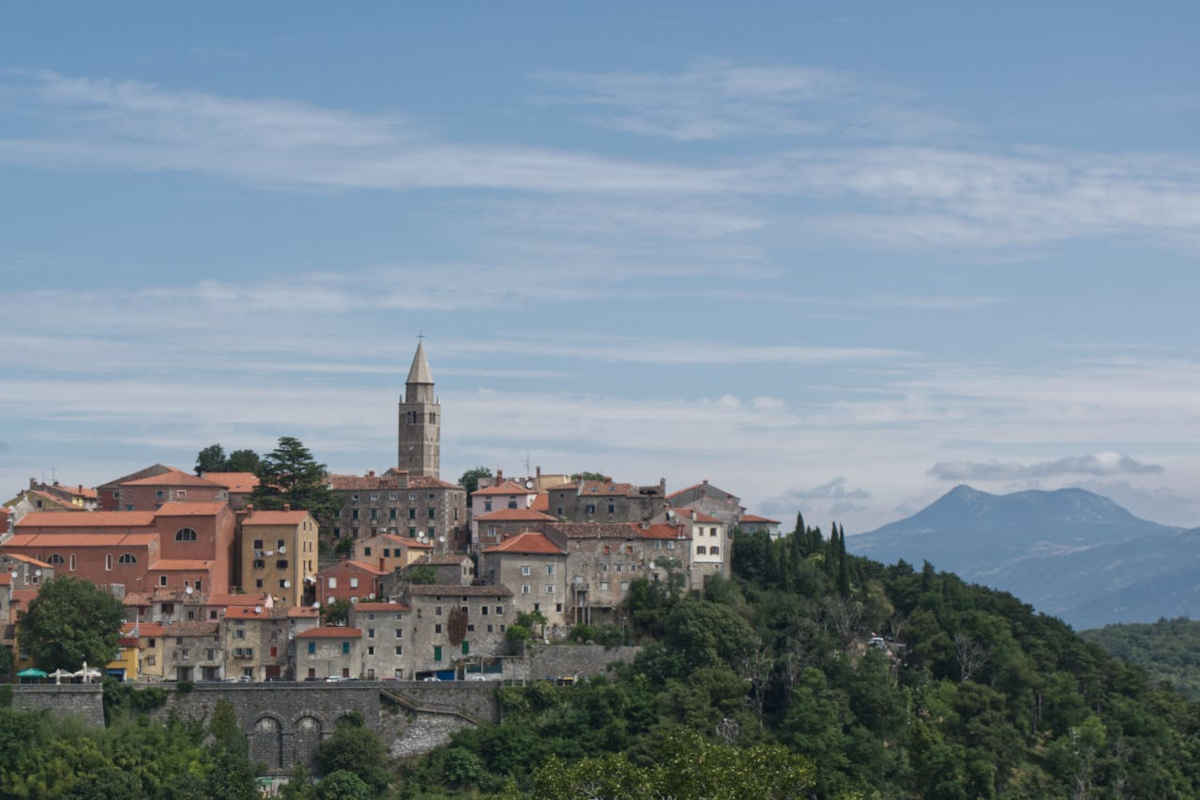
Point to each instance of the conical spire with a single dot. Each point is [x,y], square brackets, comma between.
[419,372]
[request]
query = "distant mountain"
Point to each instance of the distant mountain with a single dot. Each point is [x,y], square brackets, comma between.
[1069,552]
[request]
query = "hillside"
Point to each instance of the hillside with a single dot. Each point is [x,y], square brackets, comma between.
[1169,650]
[771,674]
[1069,552]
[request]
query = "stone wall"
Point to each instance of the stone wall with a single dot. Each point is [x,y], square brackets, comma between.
[85,701]
[580,660]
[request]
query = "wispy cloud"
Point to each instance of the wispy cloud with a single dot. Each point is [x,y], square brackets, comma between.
[1107,463]
[834,497]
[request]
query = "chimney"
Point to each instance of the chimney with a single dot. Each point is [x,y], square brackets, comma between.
[499,475]
[706,481]
[370,473]
[287,506]
[539,472]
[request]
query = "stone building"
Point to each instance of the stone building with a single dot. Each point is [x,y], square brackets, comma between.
[450,569]
[710,500]
[256,642]
[192,652]
[493,527]
[753,523]
[278,554]
[386,642]
[507,494]
[420,423]
[396,502]
[534,569]
[450,623]
[328,652]
[388,552]
[605,501]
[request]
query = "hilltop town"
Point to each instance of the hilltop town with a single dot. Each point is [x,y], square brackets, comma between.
[409,576]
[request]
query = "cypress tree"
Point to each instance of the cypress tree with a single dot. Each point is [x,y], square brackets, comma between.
[843,566]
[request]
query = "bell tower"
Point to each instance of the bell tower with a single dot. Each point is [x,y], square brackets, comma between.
[420,421]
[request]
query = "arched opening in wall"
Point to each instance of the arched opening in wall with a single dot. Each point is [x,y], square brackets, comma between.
[266,743]
[307,739]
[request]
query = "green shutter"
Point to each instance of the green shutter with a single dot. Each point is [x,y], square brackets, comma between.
[437,652]
[466,648]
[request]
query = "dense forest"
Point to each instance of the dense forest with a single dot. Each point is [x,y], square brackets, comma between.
[809,674]
[1169,650]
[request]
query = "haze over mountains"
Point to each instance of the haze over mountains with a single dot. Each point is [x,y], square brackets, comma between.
[1069,552]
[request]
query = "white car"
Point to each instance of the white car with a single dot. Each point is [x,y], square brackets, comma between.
[334,679]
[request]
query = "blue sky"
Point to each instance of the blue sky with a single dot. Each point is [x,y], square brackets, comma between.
[832,258]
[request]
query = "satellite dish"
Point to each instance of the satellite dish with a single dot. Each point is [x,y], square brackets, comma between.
[371,596]
[287,584]
[529,484]
[441,538]
[35,572]
[317,604]
[283,548]
[188,589]
[258,609]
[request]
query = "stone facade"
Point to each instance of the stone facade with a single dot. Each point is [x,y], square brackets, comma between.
[710,544]
[328,652]
[420,421]
[493,527]
[84,701]
[706,498]
[453,623]
[387,639]
[605,501]
[535,569]
[397,503]
[193,652]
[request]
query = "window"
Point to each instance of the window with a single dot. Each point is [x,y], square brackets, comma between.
[333,583]
[162,579]
[437,611]
[487,505]
[670,545]
[549,569]
[525,570]
[108,561]
[399,650]
[258,544]
[525,588]
[466,648]
[604,586]
[54,558]
[181,492]
[374,514]
[370,633]
[612,507]
[489,628]
[258,583]
[591,508]
[354,514]
[399,633]
[549,588]
[371,650]
[483,610]
[412,513]
[127,558]
[354,583]
[470,628]
[158,494]
[412,532]
[366,551]
[185,535]
[512,503]
[700,549]
[239,633]
[432,513]
[560,511]
[500,613]
[312,647]
[437,628]
[281,563]
[391,513]
[558,607]
[714,550]
[431,532]
[437,652]
[259,563]
[283,584]
[345,648]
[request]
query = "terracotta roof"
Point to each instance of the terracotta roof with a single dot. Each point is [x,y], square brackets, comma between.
[302,612]
[392,480]
[447,590]
[58,501]
[255,612]
[697,516]
[529,542]
[87,519]
[360,565]
[172,477]
[514,515]
[145,628]
[445,559]
[225,599]
[541,502]
[597,488]
[381,607]
[276,518]
[153,469]
[429,482]
[408,541]
[328,632]
[180,565]
[701,485]
[26,559]
[136,599]
[236,482]
[757,518]
[662,530]
[192,629]
[202,509]
[508,487]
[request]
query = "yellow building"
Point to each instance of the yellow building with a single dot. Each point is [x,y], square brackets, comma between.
[278,551]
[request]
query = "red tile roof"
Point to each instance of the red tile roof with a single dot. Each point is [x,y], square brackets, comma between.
[192,629]
[87,519]
[359,565]
[172,477]
[58,501]
[530,543]
[541,502]
[662,530]
[696,516]
[183,509]
[254,612]
[514,515]
[235,600]
[136,599]
[153,469]
[145,628]
[429,482]
[381,607]
[756,518]
[276,518]
[51,540]
[26,559]
[235,482]
[329,632]
[508,487]
[302,612]
[407,541]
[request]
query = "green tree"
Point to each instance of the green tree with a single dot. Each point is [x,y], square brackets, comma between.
[231,775]
[358,750]
[69,622]
[211,459]
[289,474]
[242,461]
[470,478]
[343,785]
[590,476]
[422,574]
[336,613]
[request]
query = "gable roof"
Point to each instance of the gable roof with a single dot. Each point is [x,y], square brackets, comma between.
[702,485]
[330,632]
[757,518]
[172,477]
[87,519]
[153,469]
[275,518]
[508,487]
[541,502]
[26,559]
[451,590]
[527,543]
[514,515]
[359,565]
[237,482]
[202,509]
[696,516]
[661,530]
